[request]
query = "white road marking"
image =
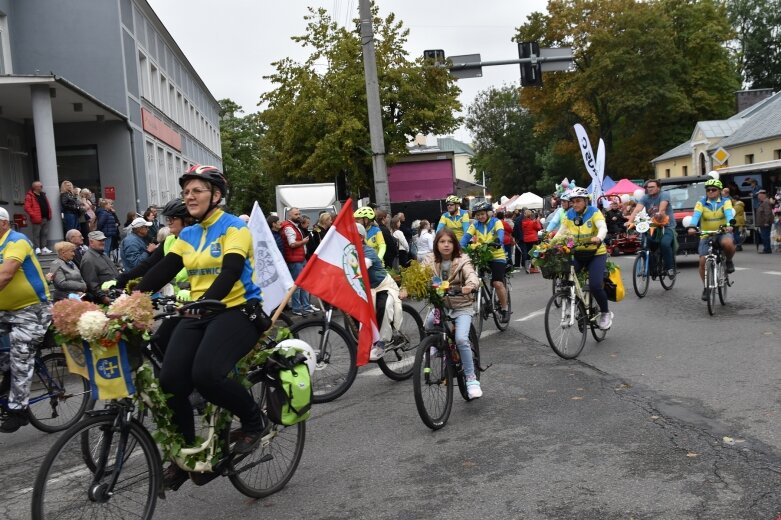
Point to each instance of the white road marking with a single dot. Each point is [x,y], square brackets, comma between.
[743,269]
[772,272]
[532,315]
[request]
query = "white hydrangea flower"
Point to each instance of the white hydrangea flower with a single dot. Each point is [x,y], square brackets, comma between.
[92,325]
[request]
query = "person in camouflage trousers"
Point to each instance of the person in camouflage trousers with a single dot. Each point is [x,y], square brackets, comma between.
[25,315]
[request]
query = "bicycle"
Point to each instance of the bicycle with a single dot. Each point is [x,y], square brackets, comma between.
[716,277]
[108,464]
[643,272]
[436,363]
[488,302]
[58,399]
[576,312]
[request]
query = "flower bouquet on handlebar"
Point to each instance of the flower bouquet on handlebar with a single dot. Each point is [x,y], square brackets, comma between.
[553,256]
[104,345]
[481,255]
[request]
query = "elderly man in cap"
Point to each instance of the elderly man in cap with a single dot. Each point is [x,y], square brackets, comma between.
[25,314]
[96,267]
[764,220]
[135,247]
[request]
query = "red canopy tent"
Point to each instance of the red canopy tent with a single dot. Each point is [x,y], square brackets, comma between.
[623,186]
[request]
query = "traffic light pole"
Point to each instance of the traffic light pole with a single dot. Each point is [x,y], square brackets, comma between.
[381,193]
[533,61]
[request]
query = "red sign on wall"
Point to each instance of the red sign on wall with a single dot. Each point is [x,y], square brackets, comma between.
[110,192]
[159,129]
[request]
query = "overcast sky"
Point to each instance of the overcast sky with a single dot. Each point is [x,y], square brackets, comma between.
[232,43]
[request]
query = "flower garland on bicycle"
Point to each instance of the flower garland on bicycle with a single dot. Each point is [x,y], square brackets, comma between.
[217,252]
[587,226]
[715,211]
[489,230]
[455,269]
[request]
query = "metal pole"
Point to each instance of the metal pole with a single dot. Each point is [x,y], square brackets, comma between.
[381,195]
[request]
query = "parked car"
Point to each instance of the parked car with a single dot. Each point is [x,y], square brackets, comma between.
[684,193]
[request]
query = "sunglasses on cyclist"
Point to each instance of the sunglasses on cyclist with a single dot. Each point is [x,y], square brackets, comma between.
[712,189]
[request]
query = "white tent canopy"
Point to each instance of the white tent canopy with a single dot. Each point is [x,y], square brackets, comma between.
[527,200]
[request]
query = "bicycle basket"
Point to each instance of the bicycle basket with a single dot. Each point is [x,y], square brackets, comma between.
[550,272]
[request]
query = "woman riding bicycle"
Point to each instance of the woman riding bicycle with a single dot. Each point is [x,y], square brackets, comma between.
[586,225]
[490,231]
[218,255]
[448,263]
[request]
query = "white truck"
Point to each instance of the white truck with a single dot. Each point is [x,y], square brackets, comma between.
[311,199]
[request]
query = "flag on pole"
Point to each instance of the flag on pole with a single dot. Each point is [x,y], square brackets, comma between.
[588,159]
[271,272]
[337,274]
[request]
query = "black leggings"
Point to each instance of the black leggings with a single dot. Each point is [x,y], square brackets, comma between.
[200,355]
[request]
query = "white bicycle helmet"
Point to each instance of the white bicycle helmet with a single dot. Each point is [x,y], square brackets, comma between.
[579,192]
[304,348]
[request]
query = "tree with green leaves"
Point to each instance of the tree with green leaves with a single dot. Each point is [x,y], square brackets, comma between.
[504,141]
[240,139]
[644,74]
[758,41]
[316,123]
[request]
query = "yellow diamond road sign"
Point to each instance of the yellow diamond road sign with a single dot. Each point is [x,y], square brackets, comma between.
[721,155]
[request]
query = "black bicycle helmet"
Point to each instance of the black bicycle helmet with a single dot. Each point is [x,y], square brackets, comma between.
[210,174]
[175,209]
[482,206]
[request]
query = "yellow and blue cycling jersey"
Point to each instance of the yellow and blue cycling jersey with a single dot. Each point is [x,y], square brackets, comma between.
[587,230]
[202,248]
[375,240]
[714,213]
[490,232]
[28,286]
[458,223]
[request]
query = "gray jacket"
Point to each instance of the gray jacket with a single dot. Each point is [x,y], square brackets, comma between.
[765,214]
[97,268]
[67,279]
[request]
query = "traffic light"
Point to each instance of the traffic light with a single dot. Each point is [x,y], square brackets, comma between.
[531,73]
[435,55]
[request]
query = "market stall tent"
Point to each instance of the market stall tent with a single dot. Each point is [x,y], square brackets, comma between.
[526,200]
[623,186]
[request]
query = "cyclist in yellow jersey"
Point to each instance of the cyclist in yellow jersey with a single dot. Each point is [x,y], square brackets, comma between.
[218,255]
[455,218]
[714,210]
[490,231]
[365,216]
[586,225]
[25,314]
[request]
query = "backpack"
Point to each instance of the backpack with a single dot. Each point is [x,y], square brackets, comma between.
[288,387]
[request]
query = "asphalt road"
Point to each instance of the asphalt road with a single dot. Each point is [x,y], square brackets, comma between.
[674,416]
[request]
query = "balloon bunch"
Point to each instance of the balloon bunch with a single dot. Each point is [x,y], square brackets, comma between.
[565,185]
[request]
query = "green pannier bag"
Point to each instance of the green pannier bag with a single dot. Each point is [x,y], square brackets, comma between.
[288,388]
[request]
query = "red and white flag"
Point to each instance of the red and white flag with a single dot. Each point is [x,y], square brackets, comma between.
[337,274]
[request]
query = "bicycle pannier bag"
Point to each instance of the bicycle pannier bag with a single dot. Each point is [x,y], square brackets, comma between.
[288,388]
[614,286]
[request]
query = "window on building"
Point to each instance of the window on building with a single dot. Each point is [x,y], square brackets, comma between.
[5,47]
[163,94]
[143,67]
[179,108]
[172,102]
[685,171]
[667,173]
[749,159]
[154,80]
[776,154]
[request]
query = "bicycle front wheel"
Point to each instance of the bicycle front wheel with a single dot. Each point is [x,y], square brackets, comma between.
[433,383]
[640,276]
[480,314]
[271,466]
[723,284]
[66,487]
[336,368]
[566,326]
[710,284]
[57,397]
[497,308]
[399,358]
[667,281]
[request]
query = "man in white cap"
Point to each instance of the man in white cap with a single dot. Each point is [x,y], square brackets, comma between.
[25,314]
[96,267]
[134,247]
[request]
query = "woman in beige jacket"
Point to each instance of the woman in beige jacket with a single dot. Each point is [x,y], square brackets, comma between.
[451,264]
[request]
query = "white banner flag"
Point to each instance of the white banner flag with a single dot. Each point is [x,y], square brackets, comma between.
[590,161]
[271,272]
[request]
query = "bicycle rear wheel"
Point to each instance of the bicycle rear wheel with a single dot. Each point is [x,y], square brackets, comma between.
[640,276]
[567,326]
[723,284]
[65,395]
[398,361]
[272,464]
[497,308]
[475,344]
[66,487]
[710,284]
[433,383]
[336,369]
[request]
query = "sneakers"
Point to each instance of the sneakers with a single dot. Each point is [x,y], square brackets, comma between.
[15,420]
[398,339]
[313,308]
[174,477]
[473,389]
[46,251]
[378,351]
[247,442]
[605,320]
[671,273]
[37,250]
[505,315]
[300,312]
[705,294]
[730,267]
